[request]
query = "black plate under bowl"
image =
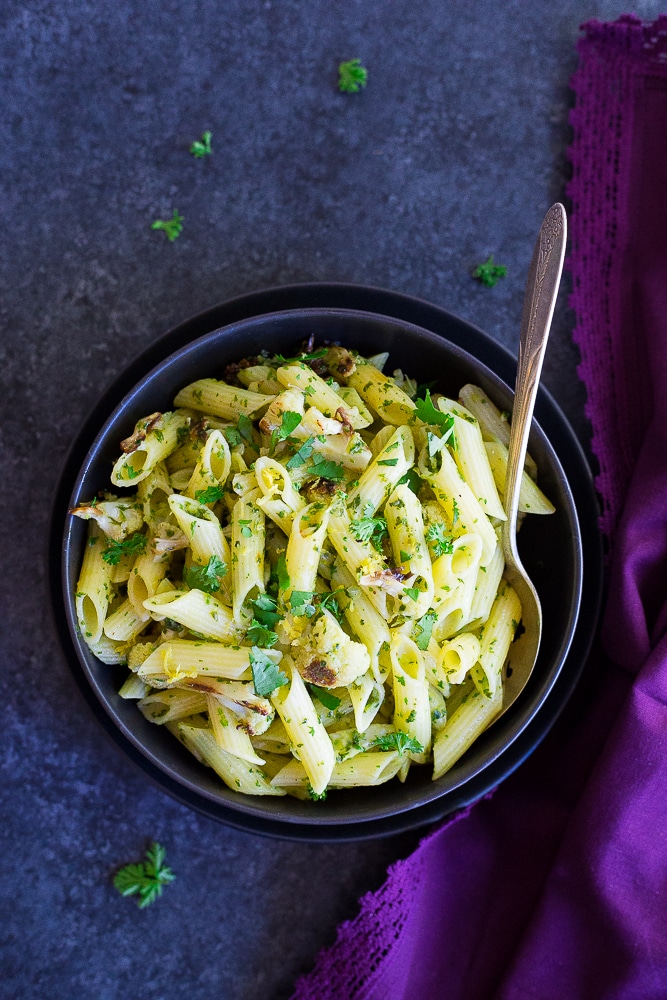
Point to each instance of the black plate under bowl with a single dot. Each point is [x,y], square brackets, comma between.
[551,548]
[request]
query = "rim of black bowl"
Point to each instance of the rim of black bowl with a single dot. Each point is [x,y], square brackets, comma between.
[506,747]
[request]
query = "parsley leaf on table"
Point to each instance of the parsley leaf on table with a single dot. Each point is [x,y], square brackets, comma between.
[352,76]
[266,674]
[146,879]
[133,545]
[202,147]
[171,227]
[488,273]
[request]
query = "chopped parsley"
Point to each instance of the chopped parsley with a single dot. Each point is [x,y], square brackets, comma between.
[289,422]
[413,592]
[133,545]
[202,147]
[316,796]
[411,480]
[266,610]
[430,414]
[327,699]
[282,574]
[302,455]
[398,741]
[146,879]
[488,273]
[266,675]
[442,543]
[370,529]
[387,461]
[326,469]
[260,635]
[423,629]
[244,427]
[210,495]
[352,76]
[208,577]
[301,603]
[246,530]
[172,228]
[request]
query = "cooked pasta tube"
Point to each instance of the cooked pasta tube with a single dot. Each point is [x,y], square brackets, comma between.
[365,621]
[383,474]
[471,457]
[145,576]
[411,712]
[239,775]
[308,737]
[171,704]
[531,498]
[248,541]
[405,523]
[493,423]
[200,612]
[212,468]
[179,658]
[496,637]
[320,394]
[391,404]
[367,694]
[227,735]
[279,500]
[458,656]
[469,720]
[208,395]
[93,589]
[309,530]
[124,624]
[463,510]
[153,439]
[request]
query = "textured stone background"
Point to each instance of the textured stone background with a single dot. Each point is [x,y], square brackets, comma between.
[454,151]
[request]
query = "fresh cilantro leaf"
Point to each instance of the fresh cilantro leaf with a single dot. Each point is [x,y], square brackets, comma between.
[301,357]
[171,227]
[328,699]
[301,603]
[370,529]
[283,575]
[260,635]
[133,545]
[289,422]
[352,76]
[210,495]
[266,675]
[430,414]
[325,469]
[146,879]
[413,592]
[300,457]
[398,741]
[202,147]
[246,530]
[265,611]
[208,577]
[443,543]
[488,273]
[423,629]
[329,602]
[233,437]
[388,461]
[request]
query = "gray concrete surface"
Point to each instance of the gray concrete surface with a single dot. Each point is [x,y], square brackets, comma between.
[454,151]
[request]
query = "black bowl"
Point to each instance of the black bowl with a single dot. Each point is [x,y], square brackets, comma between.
[550,548]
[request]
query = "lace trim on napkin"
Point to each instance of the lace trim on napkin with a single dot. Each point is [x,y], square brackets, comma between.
[345,971]
[601,160]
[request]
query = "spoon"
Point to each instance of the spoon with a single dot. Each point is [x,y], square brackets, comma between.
[541,290]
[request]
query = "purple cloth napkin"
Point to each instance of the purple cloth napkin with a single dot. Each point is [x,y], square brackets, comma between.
[556,886]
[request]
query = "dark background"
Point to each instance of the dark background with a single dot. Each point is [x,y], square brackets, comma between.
[454,151]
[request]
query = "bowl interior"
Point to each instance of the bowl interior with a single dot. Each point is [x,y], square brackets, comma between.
[550,548]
